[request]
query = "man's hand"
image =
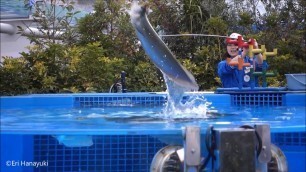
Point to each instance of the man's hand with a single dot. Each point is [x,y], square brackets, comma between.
[245,51]
[255,46]
[259,56]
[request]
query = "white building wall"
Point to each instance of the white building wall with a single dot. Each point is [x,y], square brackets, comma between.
[12,43]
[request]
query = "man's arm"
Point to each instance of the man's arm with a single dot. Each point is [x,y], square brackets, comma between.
[258,57]
[224,68]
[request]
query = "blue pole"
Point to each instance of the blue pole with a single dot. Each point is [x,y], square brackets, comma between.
[264,71]
[252,77]
[241,73]
[123,74]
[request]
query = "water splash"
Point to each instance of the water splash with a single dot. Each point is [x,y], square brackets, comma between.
[194,107]
[178,79]
[160,55]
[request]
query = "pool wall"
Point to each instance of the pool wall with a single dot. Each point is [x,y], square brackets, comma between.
[110,153]
[126,152]
[101,99]
[150,99]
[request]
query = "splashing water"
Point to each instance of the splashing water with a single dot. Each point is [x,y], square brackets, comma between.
[178,79]
[195,107]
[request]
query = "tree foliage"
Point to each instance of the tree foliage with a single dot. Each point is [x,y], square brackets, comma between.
[91,55]
[53,21]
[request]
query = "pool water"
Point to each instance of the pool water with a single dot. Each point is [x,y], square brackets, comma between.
[138,120]
[122,132]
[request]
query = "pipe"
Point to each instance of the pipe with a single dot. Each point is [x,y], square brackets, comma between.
[40,33]
[123,75]
[7,28]
[191,34]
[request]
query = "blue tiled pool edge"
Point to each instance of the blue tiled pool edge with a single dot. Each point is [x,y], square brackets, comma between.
[100,99]
[148,99]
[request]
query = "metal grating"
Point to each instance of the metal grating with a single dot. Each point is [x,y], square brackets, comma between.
[260,99]
[128,153]
[96,101]
[239,99]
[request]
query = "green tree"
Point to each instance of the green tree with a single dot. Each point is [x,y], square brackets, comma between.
[14,76]
[106,44]
[53,23]
[284,28]
[92,70]
[46,68]
[110,25]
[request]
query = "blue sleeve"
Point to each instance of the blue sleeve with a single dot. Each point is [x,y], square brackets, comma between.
[224,68]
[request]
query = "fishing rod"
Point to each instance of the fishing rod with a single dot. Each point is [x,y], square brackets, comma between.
[204,35]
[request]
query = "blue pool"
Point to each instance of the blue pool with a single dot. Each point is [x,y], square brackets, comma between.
[122,132]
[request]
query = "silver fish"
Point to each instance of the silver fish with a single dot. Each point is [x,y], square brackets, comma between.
[157,50]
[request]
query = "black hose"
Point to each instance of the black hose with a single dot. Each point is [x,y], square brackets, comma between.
[209,147]
[258,138]
[114,86]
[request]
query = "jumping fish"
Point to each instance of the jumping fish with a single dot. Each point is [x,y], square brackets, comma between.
[157,50]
